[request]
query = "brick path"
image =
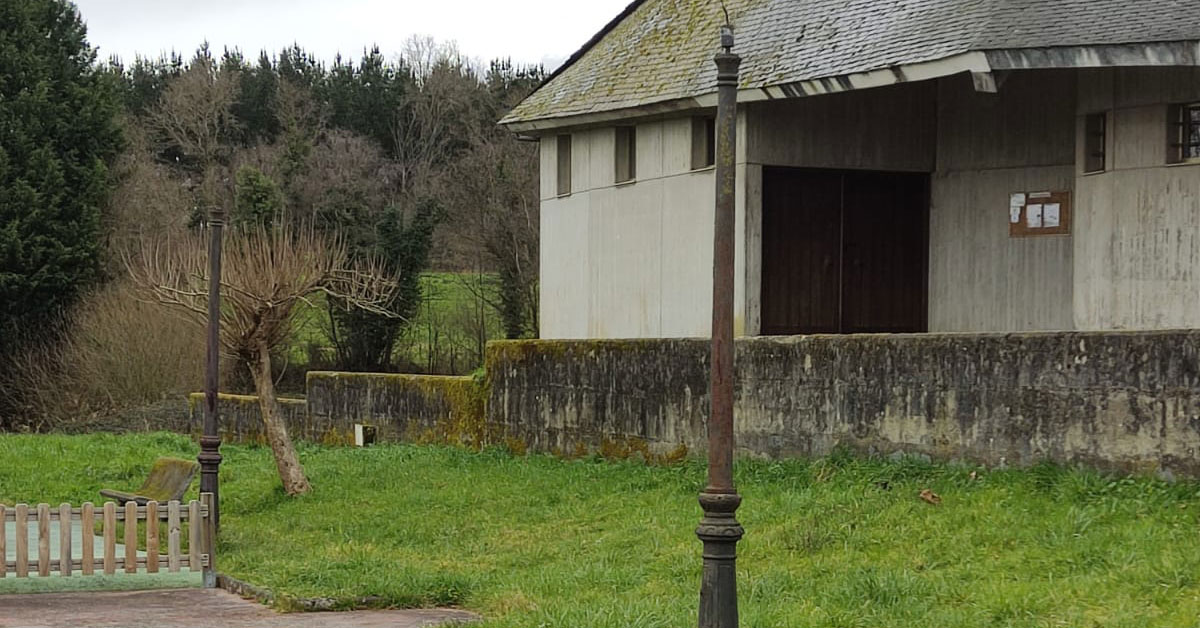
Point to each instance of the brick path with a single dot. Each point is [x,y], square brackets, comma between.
[193,608]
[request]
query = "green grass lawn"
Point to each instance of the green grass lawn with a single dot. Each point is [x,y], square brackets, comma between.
[440,337]
[538,541]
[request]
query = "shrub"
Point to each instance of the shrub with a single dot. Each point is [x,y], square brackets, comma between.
[117,354]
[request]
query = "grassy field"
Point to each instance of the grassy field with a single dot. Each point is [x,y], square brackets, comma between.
[443,336]
[538,541]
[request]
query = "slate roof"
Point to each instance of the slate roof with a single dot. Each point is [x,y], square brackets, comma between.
[661,50]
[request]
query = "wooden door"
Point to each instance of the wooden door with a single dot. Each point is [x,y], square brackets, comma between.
[801,273]
[844,251]
[884,253]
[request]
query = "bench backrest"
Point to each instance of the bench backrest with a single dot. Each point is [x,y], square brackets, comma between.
[169,479]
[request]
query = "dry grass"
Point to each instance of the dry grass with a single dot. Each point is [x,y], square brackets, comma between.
[119,353]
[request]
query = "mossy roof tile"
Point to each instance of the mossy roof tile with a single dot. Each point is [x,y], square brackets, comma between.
[661,50]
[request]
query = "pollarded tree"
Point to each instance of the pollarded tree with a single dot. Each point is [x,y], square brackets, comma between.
[265,276]
[58,135]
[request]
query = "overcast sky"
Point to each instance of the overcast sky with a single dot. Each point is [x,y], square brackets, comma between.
[529,31]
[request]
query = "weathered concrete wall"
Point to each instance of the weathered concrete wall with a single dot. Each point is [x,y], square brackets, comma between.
[415,408]
[423,408]
[1021,139]
[240,418]
[1126,401]
[1137,236]
[632,260]
[889,128]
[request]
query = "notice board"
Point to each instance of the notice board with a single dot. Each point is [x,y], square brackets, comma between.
[1032,214]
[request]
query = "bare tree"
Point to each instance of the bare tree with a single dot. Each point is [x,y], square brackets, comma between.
[195,118]
[433,126]
[495,201]
[266,274]
[149,200]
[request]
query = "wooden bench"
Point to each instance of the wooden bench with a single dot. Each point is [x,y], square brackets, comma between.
[169,479]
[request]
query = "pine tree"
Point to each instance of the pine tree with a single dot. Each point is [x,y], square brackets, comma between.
[58,133]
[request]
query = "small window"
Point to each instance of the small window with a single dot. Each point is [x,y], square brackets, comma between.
[1183,133]
[1094,142]
[626,154]
[564,165]
[704,142]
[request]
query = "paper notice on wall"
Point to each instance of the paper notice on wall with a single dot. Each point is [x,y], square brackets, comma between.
[1016,203]
[1052,215]
[1033,216]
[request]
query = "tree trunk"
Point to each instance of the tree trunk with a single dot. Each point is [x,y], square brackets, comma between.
[290,471]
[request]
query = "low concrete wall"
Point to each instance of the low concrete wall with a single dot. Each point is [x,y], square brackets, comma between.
[416,408]
[423,408]
[1124,401]
[240,418]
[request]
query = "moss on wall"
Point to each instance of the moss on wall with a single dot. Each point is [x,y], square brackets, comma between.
[414,408]
[1115,400]
[240,417]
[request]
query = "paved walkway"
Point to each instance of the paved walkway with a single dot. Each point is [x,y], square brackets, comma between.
[194,608]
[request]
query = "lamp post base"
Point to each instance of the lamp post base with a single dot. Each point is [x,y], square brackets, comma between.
[720,532]
[210,463]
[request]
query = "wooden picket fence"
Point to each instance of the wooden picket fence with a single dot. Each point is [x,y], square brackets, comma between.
[195,514]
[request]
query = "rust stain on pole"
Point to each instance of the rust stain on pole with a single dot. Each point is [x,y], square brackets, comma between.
[719,530]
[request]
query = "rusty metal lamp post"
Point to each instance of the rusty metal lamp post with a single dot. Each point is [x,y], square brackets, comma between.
[210,441]
[719,530]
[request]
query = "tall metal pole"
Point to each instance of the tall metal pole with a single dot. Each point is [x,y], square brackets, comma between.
[719,530]
[210,442]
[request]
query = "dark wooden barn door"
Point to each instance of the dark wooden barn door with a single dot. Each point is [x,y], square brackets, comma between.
[844,252]
[802,260]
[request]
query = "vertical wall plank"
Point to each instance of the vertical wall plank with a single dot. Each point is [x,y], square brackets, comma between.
[64,539]
[22,532]
[131,536]
[110,538]
[194,536]
[87,537]
[152,537]
[3,545]
[43,514]
[173,536]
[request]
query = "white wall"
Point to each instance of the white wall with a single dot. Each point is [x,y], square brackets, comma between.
[631,260]
[1137,245]
[989,146]
[635,260]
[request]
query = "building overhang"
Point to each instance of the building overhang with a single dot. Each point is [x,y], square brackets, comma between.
[980,64]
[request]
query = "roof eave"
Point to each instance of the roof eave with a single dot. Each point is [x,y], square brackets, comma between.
[980,63]
[1143,54]
[541,126]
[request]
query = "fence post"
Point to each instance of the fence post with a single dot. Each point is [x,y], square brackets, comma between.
[3,543]
[43,525]
[87,535]
[64,540]
[110,538]
[22,532]
[194,536]
[210,537]
[131,537]
[173,536]
[152,536]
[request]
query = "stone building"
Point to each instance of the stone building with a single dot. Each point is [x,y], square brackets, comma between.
[904,166]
